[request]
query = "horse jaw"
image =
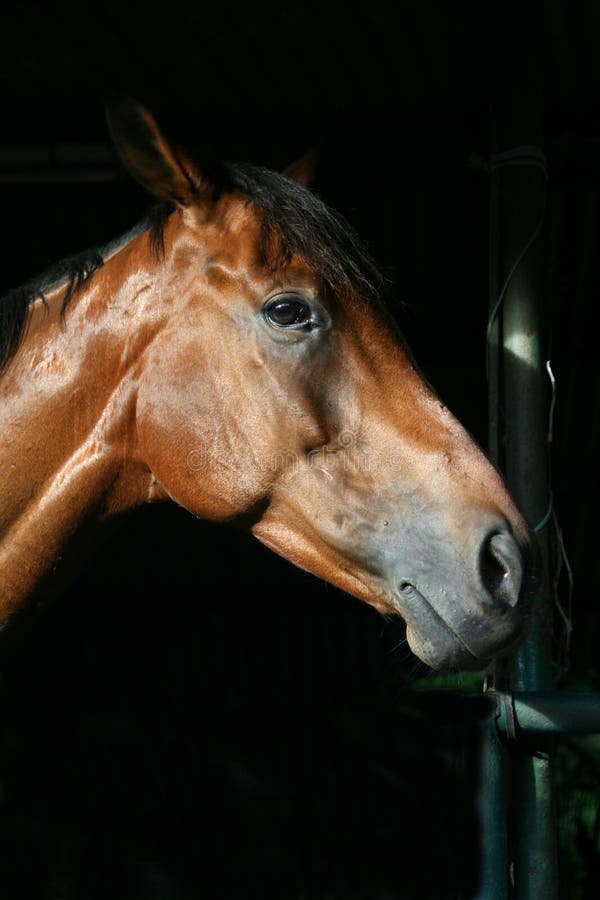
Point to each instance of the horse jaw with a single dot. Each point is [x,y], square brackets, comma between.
[411,553]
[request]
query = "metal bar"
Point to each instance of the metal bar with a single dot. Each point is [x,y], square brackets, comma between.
[518,192]
[491,804]
[548,712]
[525,405]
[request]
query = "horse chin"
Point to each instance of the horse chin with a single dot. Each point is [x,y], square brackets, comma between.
[441,647]
[443,653]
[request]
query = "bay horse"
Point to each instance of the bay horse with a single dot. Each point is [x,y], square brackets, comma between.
[234,353]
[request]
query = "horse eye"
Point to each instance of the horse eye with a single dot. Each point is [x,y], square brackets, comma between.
[287,312]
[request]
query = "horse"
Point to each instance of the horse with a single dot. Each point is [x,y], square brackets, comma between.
[234,353]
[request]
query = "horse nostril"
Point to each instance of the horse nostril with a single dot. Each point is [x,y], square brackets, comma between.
[501,568]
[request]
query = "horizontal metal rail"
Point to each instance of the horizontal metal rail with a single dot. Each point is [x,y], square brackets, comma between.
[547,712]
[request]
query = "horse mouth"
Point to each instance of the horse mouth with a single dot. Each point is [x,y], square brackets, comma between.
[438,644]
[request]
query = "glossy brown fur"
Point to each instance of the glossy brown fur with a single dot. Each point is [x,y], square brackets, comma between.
[163,381]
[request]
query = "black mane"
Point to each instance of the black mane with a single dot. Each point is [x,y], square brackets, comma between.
[73,272]
[14,306]
[294,222]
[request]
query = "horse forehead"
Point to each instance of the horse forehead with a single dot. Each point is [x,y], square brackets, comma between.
[232,233]
[228,267]
[237,216]
[232,243]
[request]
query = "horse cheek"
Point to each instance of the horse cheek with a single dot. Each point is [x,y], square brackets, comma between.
[199,463]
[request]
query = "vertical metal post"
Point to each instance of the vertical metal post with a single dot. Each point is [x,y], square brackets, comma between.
[518,389]
[491,802]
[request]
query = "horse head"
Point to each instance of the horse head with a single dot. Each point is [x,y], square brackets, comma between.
[280,395]
[238,357]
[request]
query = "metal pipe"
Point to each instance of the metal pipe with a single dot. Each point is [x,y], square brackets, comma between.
[491,799]
[518,196]
[525,405]
[548,712]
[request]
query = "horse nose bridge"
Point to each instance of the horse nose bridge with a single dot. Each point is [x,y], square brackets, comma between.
[437,450]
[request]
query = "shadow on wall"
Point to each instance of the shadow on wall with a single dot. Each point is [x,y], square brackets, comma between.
[197,718]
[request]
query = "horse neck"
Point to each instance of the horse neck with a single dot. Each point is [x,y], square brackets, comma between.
[67,433]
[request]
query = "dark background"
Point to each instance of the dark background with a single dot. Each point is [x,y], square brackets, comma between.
[196,718]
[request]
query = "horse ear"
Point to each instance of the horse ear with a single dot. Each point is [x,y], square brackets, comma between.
[150,158]
[304,170]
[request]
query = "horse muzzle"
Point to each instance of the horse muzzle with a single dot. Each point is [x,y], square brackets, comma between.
[462,611]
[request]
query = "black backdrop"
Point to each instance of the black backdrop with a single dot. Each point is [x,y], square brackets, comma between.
[194,717]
